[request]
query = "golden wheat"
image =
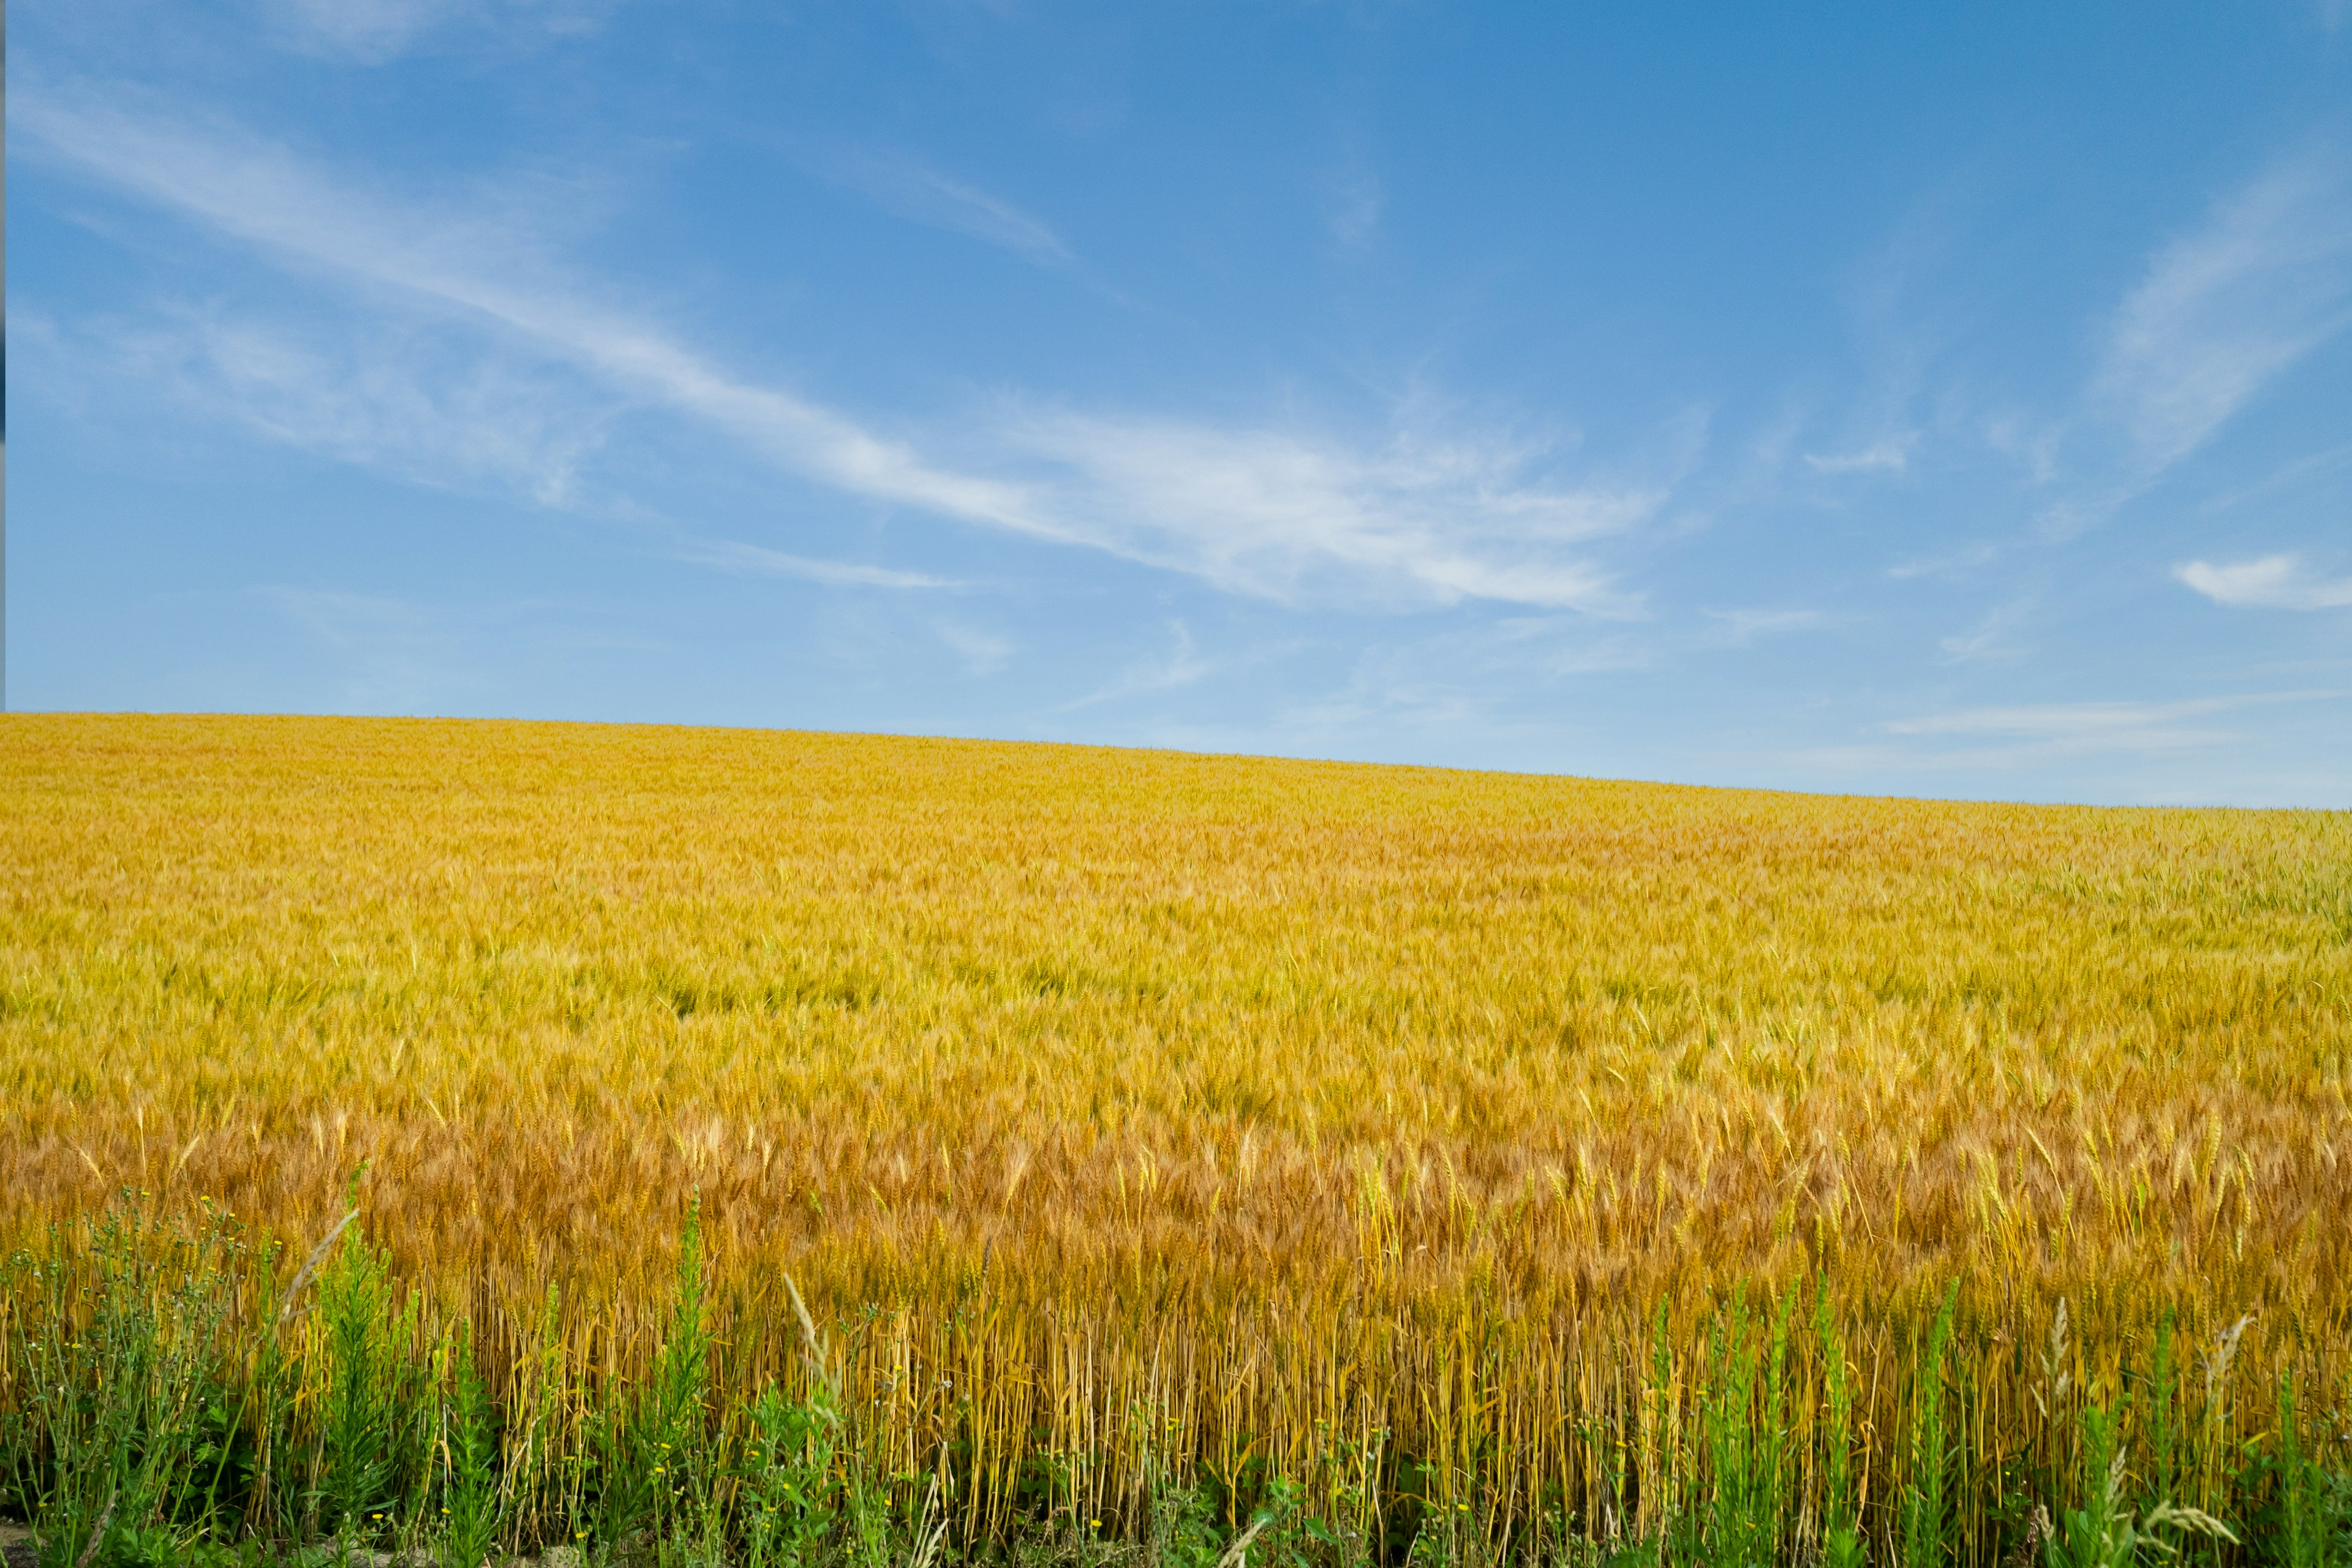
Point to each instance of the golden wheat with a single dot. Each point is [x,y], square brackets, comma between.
[1131,1108]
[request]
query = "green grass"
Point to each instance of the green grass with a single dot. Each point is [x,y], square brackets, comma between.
[176,1391]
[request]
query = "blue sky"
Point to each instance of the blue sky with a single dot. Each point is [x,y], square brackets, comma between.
[1948,401]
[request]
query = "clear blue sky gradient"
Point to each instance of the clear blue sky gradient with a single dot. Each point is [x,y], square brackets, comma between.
[1923,400]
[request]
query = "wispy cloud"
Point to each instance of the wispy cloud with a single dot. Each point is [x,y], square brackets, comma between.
[1367,715]
[372,32]
[406,404]
[2173,753]
[1953,564]
[385,653]
[753,560]
[1990,637]
[1891,456]
[983,652]
[1428,516]
[2098,726]
[389,655]
[2223,310]
[1737,628]
[2271,582]
[364,30]
[1279,514]
[910,188]
[255,192]
[1352,207]
[1180,666]
[2218,314]
[2031,444]
[2288,476]
[396,401]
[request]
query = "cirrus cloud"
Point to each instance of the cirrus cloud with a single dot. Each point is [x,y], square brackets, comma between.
[1430,516]
[2270,581]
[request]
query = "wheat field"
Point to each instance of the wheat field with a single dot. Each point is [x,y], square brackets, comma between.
[1386,1129]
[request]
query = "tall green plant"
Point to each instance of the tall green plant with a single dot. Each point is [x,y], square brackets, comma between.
[1745,1438]
[359,1462]
[122,1379]
[546,1482]
[865,1521]
[469,1462]
[1841,1543]
[2162,1420]
[1927,1514]
[2304,1524]
[2104,1533]
[1661,1501]
[787,1480]
[653,1441]
[1772,1438]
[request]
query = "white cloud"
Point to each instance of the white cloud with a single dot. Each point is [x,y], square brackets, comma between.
[389,401]
[1366,716]
[2225,309]
[390,654]
[1954,565]
[983,652]
[372,32]
[1891,454]
[2050,719]
[2217,315]
[1988,638]
[1427,517]
[377,653]
[1548,645]
[908,188]
[255,192]
[2289,475]
[1352,207]
[2088,508]
[1180,666]
[1278,514]
[2272,582]
[365,30]
[1741,628]
[2031,444]
[2087,727]
[403,404]
[753,560]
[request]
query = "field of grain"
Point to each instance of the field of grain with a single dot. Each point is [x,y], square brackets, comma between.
[1392,1131]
